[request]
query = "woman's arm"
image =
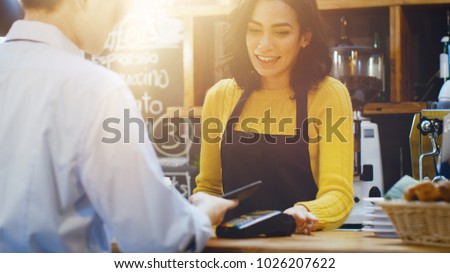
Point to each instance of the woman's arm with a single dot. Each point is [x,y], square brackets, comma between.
[332,159]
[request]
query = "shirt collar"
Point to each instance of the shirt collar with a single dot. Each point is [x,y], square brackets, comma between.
[43,33]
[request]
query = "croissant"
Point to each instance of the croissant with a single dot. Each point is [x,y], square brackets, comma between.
[424,191]
[444,189]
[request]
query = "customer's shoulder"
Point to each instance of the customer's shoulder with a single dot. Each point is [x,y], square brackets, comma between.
[89,70]
[87,75]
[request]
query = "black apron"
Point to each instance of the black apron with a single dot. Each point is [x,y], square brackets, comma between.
[282,162]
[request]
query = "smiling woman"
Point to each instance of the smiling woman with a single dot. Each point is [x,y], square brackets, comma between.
[276,52]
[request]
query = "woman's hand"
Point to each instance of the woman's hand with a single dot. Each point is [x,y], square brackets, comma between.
[305,220]
[214,207]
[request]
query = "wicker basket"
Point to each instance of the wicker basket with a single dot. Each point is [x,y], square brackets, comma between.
[424,223]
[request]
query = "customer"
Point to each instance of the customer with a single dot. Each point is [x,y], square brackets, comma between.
[61,183]
[278,57]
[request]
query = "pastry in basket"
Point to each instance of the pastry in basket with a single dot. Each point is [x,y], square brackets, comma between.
[410,194]
[444,189]
[424,191]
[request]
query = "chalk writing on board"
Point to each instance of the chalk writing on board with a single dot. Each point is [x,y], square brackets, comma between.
[136,32]
[146,51]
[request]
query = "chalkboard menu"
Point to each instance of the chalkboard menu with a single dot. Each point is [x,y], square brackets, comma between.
[148,54]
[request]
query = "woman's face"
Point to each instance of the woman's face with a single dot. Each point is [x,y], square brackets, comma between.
[273,42]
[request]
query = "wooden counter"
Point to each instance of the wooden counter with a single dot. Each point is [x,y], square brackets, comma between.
[370,109]
[323,241]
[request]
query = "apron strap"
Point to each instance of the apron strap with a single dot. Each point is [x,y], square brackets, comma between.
[302,114]
[234,117]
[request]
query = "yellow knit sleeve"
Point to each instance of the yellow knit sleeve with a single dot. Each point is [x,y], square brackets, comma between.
[333,162]
[209,179]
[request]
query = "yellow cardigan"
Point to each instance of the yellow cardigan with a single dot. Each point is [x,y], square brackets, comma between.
[331,157]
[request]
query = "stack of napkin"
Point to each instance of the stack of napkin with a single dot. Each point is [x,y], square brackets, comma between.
[397,190]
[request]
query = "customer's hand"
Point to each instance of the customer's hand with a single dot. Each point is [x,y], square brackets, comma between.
[214,207]
[305,220]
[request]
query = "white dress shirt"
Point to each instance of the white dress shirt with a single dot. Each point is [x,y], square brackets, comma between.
[61,184]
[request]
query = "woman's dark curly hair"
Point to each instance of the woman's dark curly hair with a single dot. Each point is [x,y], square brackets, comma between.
[313,62]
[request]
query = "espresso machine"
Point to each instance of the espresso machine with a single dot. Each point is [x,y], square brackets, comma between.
[426,138]
[361,69]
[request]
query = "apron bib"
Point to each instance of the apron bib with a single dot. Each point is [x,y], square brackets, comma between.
[282,162]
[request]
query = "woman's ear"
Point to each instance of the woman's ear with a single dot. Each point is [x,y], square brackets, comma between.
[306,39]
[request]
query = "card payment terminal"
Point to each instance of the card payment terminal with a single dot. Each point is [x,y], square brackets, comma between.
[265,223]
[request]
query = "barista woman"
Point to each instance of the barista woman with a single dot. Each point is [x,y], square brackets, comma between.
[282,119]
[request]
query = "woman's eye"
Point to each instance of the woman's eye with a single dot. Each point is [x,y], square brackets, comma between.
[253,30]
[282,32]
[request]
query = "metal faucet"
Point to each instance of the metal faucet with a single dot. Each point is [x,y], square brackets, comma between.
[430,128]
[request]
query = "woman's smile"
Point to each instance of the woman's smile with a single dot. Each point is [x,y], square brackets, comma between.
[267,60]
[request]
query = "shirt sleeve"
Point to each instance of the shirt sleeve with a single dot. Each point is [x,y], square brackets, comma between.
[335,156]
[209,179]
[125,183]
